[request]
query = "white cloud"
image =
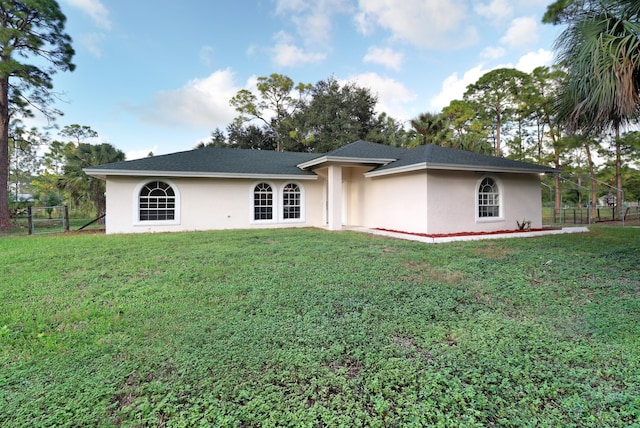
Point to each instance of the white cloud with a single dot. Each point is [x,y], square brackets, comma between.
[496,10]
[286,54]
[99,14]
[385,56]
[535,59]
[392,95]
[522,32]
[423,23]
[313,19]
[206,56]
[492,52]
[201,103]
[292,56]
[95,9]
[286,6]
[141,153]
[93,42]
[454,87]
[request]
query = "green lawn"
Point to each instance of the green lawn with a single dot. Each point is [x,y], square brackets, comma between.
[319,329]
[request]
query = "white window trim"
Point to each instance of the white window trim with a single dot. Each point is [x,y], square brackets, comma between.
[275,207]
[136,204]
[302,204]
[501,197]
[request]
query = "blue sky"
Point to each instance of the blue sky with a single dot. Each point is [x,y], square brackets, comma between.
[157,76]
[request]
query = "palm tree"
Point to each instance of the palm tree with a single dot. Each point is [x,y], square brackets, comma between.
[81,186]
[431,128]
[600,49]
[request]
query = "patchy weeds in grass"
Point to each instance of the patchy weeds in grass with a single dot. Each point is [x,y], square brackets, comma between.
[311,328]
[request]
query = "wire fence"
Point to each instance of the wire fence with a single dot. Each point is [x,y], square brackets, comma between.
[582,215]
[48,219]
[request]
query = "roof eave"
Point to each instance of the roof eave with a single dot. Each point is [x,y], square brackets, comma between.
[397,170]
[456,167]
[104,173]
[343,159]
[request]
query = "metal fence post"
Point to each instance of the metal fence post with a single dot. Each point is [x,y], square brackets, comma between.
[66,218]
[30,219]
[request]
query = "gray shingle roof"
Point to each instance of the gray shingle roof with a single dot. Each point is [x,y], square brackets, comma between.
[216,160]
[437,156]
[239,162]
[367,150]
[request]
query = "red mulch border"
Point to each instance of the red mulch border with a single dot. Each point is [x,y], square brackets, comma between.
[446,235]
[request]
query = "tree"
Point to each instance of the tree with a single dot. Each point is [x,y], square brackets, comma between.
[495,94]
[468,131]
[54,158]
[600,49]
[545,84]
[82,187]
[30,29]
[627,150]
[390,131]
[50,200]
[249,136]
[24,160]
[632,185]
[79,133]
[559,11]
[432,128]
[218,139]
[336,114]
[47,182]
[274,106]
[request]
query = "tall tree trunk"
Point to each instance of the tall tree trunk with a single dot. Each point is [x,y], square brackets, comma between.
[4,154]
[594,188]
[556,164]
[580,191]
[619,197]
[498,126]
[556,207]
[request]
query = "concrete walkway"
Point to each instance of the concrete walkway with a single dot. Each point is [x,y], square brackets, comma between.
[443,239]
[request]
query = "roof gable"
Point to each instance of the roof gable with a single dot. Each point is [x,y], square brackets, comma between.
[359,152]
[367,150]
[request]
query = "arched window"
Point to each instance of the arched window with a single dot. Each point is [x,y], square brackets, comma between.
[262,202]
[157,202]
[488,198]
[291,202]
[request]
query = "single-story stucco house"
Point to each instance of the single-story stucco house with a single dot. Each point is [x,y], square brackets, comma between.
[427,189]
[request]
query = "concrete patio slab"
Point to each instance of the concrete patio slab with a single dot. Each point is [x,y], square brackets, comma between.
[443,239]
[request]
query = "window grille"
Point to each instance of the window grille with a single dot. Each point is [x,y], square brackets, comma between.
[488,199]
[291,202]
[262,202]
[157,202]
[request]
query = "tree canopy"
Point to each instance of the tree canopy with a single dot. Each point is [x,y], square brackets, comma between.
[31,30]
[80,186]
[495,95]
[600,50]
[274,105]
[336,114]
[304,117]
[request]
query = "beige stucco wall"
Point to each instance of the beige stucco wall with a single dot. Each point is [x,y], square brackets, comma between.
[393,202]
[208,204]
[419,202]
[439,202]
[452,199]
